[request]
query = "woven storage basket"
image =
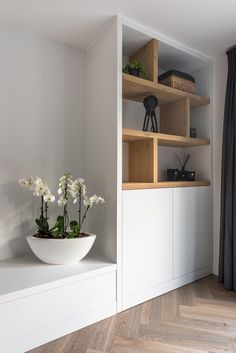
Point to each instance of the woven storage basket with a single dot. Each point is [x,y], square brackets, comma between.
[178,80]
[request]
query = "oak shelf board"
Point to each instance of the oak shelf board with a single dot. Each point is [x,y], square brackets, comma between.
[137,88]
[180,141]
[129,135]
[163,184]
[163,139]
[176,184]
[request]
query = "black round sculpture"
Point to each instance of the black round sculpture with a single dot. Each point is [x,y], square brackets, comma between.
[150,103]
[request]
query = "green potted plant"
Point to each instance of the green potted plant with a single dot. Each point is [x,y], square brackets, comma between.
[134,69]
[64,242]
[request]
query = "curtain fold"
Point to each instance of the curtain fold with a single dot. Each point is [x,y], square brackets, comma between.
[227,258]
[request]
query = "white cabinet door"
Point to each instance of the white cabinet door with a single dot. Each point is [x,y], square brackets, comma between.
[147,239]
[192,229]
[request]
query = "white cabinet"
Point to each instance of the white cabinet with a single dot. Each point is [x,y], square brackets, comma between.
[192,229]
[166,240]
[147,239]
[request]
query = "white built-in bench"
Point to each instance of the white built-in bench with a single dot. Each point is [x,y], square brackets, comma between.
[39,302]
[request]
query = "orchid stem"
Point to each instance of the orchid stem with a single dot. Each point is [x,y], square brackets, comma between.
[80,206]
[42,207]
[46,210]
[84,216]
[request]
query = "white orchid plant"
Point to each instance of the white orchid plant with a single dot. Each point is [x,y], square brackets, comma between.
[70,190]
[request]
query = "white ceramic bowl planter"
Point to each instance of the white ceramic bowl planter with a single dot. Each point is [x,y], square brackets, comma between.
[63,243]
[61,251]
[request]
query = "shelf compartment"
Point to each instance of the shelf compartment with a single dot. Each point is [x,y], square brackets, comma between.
[136,88]
[164,184]
[163,139]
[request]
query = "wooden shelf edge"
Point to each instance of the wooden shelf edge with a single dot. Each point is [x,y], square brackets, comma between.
[144,87]
[163,139]
[136,135]
[164,184]
[177,184]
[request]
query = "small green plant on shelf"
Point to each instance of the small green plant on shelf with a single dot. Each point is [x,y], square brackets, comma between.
[70,190]
[134,69]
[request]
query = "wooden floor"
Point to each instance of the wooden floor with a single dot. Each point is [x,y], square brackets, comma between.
[198,318]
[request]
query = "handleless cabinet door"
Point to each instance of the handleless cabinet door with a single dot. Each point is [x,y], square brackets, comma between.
[147,239]
[192,229]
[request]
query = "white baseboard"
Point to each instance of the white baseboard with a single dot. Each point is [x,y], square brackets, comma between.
[215,269]
[163,288]
[28,342]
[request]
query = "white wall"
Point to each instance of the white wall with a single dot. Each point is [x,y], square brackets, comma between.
[42,127]
[220,76]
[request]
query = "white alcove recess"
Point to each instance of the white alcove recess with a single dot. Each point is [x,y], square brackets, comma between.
[153,235]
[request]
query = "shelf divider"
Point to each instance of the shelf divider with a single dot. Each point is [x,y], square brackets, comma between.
[175,117]
[148,57]
[145,151]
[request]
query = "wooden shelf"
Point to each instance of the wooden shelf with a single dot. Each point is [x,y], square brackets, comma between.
[163,139]
[136,88]
[129,135]
[164,184]
[180,141]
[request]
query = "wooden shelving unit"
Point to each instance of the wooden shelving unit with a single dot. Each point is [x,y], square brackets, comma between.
[175,115]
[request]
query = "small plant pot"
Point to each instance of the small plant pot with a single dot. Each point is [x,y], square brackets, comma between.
[61,251]
[134,72]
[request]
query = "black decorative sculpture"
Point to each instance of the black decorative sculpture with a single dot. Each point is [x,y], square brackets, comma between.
[150,103]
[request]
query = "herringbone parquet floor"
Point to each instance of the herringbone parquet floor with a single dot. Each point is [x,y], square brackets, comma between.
[197,318]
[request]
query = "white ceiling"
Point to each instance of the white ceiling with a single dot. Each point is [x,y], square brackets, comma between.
[208,26]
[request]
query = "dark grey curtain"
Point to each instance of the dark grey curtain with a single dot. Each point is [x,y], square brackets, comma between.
[227,261]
